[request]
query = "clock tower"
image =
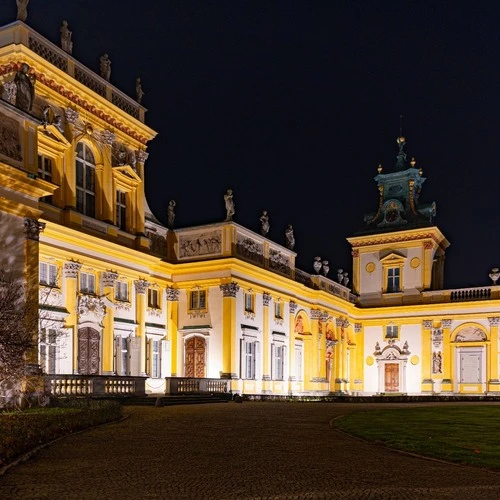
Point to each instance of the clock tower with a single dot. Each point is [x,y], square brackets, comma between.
[399,252]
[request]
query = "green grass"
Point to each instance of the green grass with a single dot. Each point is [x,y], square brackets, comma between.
[462,434]
[21,431]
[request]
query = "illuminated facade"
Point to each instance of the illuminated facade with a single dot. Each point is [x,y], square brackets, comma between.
[129,305]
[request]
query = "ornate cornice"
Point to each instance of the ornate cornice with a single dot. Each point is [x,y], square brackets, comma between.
[395,238]
[70,269]
[266,299]
[141,286]
[229,289]
[172,294]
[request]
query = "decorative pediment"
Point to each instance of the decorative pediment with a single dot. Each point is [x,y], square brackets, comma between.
[393,258]
[53,133]
[127,174]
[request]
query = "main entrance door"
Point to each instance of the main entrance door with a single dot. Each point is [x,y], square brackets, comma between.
[195,357]
[88,351]
[391,377]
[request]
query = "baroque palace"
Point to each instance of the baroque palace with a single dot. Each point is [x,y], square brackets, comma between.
[129,306]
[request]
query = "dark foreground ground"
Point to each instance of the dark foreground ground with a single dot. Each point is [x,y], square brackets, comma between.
[236,451]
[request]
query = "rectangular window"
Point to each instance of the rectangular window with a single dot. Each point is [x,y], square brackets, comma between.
[249,302]
[48,350]
[198,300]
[48,274]
[153,298]
[45,167]
[155,358]
[87,283]
[123,368]
[393,280]
[298,361]
[391,332]
[121,291]
[278,310]
[278,361]
[249,354]
[121,210]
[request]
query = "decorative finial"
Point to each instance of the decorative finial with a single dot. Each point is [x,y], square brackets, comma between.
[413,162]
[379,168]
[22,9]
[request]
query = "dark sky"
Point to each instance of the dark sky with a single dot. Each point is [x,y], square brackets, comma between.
[294,104]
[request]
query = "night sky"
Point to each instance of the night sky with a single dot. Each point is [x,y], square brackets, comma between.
[294,104]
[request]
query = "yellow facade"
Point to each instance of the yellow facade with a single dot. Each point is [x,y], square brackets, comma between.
[134,306]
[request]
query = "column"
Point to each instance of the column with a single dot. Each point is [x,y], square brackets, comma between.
[427,376]
[447,361]
[230,368]
[339,354]
[357,374]
[322,345]
[494,382]
[108,337]
[141,287]
[172,327]
[266,370]
[314,361]
[70,292]
[345,348]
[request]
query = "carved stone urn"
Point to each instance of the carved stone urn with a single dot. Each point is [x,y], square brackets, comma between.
[326,267]
[317,264]
[494,275]
[340,275]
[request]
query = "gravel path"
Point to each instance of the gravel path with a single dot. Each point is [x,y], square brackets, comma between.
[236,451]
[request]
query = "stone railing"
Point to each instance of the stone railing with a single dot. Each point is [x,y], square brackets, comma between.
[181,385]
[465,294]
[94,385]
[462,294]
[20,33]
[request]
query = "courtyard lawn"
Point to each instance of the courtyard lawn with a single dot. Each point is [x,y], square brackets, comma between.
[462,434]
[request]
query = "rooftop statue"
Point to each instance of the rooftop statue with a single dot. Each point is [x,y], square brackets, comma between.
[22,9]
[66,43]
[228,200]
[138,90]
[289,237]
[171,214]
[264,223]
[25,88]
[105,67]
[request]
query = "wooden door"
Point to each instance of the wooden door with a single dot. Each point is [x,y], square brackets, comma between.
[88,351]
[391,377]
[195,358]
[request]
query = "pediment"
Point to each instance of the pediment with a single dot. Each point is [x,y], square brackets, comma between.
[393,258]
[52,132]
[128,172]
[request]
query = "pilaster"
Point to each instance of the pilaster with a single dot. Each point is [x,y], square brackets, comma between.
[229,352]
[108,344]
[427,382]
[292,309]
[447,384]
[266,370]
[172,326]
[141,287]
[493,357]
[70,291]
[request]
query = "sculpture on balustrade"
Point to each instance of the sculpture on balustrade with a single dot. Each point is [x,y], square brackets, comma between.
[22,9]
[66,43]
[289,237]
[105,67]
[171,214]
[264,223]
[229,202]
[25,88]
[138,90]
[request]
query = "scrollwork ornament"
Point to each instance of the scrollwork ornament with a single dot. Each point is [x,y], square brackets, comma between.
[266,299]
[71,115]
[109,278]
[71,269]
[293,306]
[33,228]
[141,286]
[229,289]
[108,137]
[172,294]
[141,155]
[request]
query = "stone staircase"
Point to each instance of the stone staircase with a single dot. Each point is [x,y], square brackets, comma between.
[161,400]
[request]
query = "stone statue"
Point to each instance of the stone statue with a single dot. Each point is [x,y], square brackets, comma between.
[264,223]
[171,214]
[105,67]
[22,9]
[25,88]
[289,237]
[138,90]
[228,199]
[66,43]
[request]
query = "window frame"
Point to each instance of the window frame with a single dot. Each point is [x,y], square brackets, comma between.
[119,289]
[197,300]
[84,276]
[51,273]
[121,200]
[249,302]
[391,332]
[86,192]
[279,309]
[47,174]
[156,303]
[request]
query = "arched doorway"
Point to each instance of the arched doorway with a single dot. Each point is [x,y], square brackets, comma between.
[195,364]
[88,351]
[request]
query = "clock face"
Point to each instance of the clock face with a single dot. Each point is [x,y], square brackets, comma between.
[391,215]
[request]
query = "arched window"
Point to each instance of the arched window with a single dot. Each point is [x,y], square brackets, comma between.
[85,180]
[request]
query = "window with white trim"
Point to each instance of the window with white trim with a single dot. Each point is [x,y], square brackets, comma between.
[198,300]
[121,210]
[155,358]
[278,310]
[85,180]
[87,283]
[121,291]
[122,355]
[48,274]
[153,298]
[277,361]
[45,168]
[393,279]
[48,350]
[249,302]
[298,365]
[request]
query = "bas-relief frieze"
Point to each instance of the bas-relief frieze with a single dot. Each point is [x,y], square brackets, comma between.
[200,244]
[470,334]
[249,249]
[279,262]
[10,145]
